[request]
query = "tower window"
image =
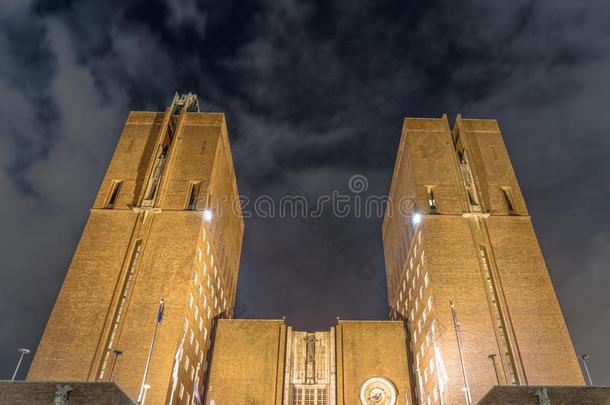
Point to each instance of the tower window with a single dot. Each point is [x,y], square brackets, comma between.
[114,193]
[431,200]
[156,174]
[509,201]
[192,196]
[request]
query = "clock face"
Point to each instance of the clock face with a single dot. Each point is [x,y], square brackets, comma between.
[378,391]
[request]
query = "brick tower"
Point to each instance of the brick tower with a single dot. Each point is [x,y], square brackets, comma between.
[165,225]
[458,234]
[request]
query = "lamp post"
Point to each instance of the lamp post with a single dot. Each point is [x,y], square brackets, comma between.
[22,352]
[116,354]
[492,357]
[584,358]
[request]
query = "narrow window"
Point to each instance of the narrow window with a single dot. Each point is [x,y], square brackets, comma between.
[114,193]
[431,200]
[509,201]
[192,196]
[156,174]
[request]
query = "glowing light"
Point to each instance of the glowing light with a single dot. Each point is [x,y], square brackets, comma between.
[416,218]
[207,215]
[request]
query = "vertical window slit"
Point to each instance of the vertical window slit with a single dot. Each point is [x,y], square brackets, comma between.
[509,201]
[114,193]
[191,203]
[431,200]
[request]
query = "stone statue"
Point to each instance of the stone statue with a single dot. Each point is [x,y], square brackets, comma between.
[543,397]
[62,393]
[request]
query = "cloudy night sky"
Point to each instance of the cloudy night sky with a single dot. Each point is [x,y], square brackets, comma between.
[313,92]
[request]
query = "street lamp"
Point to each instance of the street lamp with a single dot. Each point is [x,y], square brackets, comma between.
[22,352]
[116,354]
[584,358]
[492,357]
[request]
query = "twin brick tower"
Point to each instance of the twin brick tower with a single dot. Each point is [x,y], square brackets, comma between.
[149,296]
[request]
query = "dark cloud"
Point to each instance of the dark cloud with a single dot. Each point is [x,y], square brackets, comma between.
[314,93]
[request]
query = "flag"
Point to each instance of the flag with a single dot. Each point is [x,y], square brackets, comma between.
[160,312]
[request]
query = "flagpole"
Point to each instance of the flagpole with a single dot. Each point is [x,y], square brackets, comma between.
[150,351]
[459,342]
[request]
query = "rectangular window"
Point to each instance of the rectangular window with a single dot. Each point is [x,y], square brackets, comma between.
[191,202]
[431,200]
[155,177]
[310,396]
[297,395]
[321,396]
[509,201]
[115,187]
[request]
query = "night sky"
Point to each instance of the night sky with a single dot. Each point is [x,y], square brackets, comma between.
[314,93]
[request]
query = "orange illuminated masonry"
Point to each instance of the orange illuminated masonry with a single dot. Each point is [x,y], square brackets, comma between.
[471,302]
